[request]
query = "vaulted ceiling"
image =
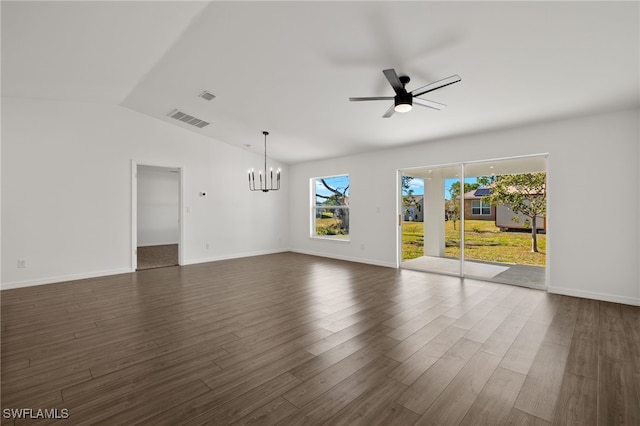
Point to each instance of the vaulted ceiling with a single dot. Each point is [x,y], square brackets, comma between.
[290,67]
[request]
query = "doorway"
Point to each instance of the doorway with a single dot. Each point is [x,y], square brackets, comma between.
[468,228]
[156,218]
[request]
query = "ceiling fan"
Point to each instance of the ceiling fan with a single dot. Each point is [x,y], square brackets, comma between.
[403,101]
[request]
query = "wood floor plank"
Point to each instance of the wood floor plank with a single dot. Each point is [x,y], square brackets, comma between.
[631,319]
[561,328]
[540,390]
[546,309]
[501,340]
[402,314]
[613,342]
[16,392]
[414,366]
[105,390]
[110,396]
[456,399]
[494,403]
[332,356]
[370,406]
[249,373]
[479,311]
[294,339]
[330,402]
[391,413]
[619,393]
[134,408]
[257,397]
[522,352]
[409,346]
[578,399]
[426,389]
[333,375]
[520,418]
[289,338]
[483,329]
[583,350]
[417,323]
[342,336]
[469,300]
[271,413]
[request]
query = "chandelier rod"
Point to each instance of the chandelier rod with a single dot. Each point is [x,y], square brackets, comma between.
[265,133]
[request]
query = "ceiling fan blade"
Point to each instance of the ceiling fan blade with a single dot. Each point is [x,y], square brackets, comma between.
[438,84]
[394,80]
[372,98]
[428,104]
[390,111]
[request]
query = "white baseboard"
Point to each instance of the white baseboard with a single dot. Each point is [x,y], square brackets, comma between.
[595,296]
[348,259]
[62,278]
[74,277]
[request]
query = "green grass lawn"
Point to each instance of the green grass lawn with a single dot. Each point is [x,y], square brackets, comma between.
[329,226]
[412,240]
[483,241]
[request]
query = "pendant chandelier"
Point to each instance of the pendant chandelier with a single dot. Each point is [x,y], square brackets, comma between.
[264,186]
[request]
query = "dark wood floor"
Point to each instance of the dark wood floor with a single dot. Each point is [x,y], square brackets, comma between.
[161,256]
[293,339]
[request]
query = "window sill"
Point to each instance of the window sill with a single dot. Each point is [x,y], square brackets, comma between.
[340,240]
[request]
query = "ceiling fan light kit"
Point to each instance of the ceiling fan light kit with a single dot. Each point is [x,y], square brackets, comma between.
[403,101]
[403,105]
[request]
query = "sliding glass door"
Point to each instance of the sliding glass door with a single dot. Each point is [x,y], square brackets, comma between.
[504,200]
[484,220]
[430,217]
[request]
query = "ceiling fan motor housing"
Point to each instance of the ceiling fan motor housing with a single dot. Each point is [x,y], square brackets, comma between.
[403,99]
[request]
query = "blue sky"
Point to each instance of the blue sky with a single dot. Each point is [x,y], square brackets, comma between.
[337,182]
[417,184]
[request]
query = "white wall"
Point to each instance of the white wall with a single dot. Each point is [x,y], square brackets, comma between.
[593,166]
[66,191]
[66,195]
[158,206]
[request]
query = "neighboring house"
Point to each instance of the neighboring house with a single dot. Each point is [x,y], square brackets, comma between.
[475,208]
[413,208]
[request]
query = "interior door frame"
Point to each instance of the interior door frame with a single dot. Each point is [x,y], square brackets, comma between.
[134,209]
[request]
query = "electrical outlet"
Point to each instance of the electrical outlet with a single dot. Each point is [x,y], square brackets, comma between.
[207,246]
[22,263]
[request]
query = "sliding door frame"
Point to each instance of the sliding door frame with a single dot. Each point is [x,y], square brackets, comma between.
[461,165]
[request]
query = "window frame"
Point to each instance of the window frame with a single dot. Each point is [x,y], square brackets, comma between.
[481,208]
[313,229]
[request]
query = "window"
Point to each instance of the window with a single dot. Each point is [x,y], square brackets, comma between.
[330,210]
[480,208]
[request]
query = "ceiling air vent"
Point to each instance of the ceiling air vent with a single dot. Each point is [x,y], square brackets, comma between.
[207,95]
[189,119]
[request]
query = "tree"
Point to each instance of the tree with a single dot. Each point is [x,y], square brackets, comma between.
[406,183]
[452,210]
[524,194]
[485,180]
[452,206]
[338,197]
